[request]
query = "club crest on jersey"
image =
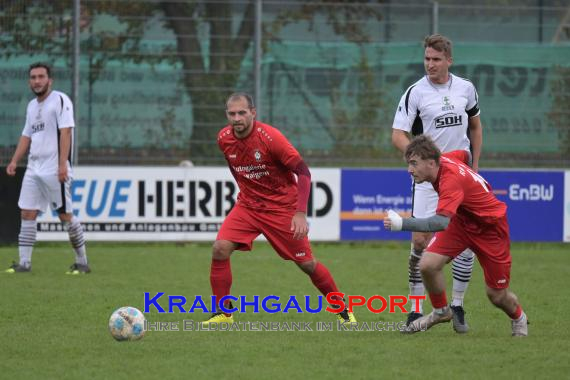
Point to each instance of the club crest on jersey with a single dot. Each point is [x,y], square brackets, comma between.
[446,104]
[257,155]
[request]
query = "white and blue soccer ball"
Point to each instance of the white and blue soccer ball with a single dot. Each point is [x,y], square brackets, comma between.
[127,323]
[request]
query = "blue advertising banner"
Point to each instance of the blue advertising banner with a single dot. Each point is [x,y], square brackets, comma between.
[535,201]
[366,195]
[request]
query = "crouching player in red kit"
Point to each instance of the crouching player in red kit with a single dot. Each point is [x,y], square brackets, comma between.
[271,201]
[468,215]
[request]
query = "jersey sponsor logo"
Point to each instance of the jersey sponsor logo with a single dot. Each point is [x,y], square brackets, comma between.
[38,127]
[447,106]
[256,175]
[249,168]
[448,120]
[533,192]
[252,171]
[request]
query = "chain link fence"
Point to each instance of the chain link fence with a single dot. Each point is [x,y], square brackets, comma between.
[154,75]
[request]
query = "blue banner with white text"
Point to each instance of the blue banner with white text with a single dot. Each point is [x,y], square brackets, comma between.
[366,195]
[535,201]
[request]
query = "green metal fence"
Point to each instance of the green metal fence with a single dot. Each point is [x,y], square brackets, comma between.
[154,75]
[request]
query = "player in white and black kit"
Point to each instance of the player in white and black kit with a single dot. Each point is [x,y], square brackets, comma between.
[444,107]
[48,134]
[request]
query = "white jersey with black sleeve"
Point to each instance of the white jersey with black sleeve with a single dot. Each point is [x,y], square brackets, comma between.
[440,111]
[43,122]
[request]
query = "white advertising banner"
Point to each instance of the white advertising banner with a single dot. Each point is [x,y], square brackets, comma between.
[174,204]
[567,206]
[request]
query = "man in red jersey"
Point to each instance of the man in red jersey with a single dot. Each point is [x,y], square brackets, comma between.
[468,215]
[271,201]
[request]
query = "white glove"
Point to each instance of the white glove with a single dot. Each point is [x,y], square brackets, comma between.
[396,221]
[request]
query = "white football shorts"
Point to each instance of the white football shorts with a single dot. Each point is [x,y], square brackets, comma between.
[38,191]
[424,200]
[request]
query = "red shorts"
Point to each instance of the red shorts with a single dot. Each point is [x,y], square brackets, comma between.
[491,244]
[243,225]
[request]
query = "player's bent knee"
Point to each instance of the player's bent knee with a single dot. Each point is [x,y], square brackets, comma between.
[419,245]
[65,217]
[420,241]
[222,249]
[29,214]
[307,266]
[432,262]
[427,268]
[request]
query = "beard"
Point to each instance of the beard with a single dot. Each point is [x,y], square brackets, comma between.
[41,92]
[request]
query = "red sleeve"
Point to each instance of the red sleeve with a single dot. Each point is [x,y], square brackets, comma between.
[223,133]
[303,185]
[283,151]
[450,196]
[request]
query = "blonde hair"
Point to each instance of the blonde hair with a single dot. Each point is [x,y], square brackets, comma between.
[440,43]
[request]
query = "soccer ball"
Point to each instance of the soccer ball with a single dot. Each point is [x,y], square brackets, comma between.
[127,323]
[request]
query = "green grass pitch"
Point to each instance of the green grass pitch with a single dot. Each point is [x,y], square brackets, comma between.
[54,326]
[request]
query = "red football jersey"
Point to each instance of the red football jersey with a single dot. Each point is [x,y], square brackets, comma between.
[262,164]
[464,193]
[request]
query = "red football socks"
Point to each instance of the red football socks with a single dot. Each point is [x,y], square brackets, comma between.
[221,278]
[517,314]
[322,279]
[438,301]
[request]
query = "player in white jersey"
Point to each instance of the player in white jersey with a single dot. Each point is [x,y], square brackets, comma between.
[48,134]
[444,107]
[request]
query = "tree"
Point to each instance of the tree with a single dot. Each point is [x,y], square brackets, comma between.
[203,78]
[212,41]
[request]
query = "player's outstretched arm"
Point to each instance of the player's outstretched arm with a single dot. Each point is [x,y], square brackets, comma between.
[21,149]
[395,222]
